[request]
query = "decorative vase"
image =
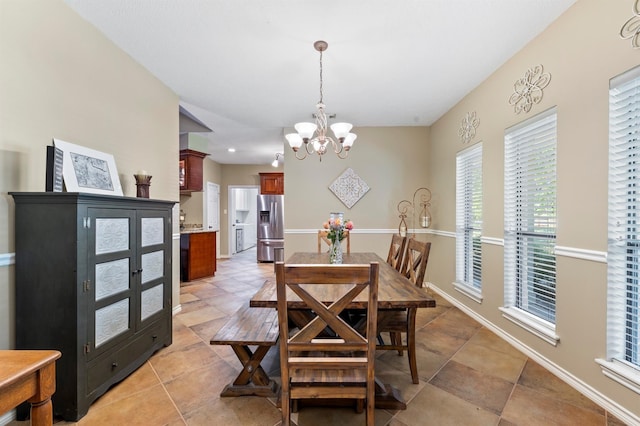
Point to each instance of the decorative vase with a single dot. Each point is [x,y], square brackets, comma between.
[335,252]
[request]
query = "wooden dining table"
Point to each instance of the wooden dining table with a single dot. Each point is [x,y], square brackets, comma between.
[394,291]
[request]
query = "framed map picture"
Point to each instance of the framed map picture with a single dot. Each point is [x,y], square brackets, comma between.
[88,170]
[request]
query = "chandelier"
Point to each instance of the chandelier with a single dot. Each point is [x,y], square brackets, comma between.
[314,135]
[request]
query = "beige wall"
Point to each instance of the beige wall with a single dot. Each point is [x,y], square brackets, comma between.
[61,78]
[582,51]
[393,163]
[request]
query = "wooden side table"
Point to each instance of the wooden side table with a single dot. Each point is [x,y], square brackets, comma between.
[29,376]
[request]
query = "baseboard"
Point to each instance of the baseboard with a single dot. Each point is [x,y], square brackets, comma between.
[7,417]
[598,398]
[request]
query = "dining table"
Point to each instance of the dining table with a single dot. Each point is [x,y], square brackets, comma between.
[394,292]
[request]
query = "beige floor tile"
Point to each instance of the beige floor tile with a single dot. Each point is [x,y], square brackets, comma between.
[201,387]
[245,411]
[484,359]
[537,378]
[147,408]
[434,406]
[207,313]
[174,364]
[529,407]
[483,390]
[141,380]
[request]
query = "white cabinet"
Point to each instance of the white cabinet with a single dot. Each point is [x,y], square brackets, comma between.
[242,200]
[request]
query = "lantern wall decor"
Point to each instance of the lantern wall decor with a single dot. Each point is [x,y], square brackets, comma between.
[418,207]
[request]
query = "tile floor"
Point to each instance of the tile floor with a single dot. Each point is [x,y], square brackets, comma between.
[468,375]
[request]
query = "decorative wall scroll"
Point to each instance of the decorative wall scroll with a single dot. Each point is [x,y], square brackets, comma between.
[631,28]
[468,127]
[349,188]
[528,89]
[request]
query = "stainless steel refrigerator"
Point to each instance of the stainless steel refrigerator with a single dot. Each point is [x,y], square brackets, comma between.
[270,227]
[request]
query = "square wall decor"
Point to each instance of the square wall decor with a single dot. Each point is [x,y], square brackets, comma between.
[349,188]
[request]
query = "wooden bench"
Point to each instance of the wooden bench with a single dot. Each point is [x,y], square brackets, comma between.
[250,327]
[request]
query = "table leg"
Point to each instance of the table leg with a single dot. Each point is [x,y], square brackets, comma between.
[41,406]
[252,380]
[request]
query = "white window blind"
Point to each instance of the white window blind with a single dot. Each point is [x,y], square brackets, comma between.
[469,217]
[624,214]
[530,216]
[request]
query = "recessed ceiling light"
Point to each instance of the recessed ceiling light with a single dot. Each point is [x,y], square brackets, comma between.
[231,150]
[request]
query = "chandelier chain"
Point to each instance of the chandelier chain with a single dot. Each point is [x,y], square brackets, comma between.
[321,77]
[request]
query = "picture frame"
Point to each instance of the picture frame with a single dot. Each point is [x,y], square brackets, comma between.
[88,170]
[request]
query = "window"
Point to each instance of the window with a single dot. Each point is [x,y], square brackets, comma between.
[623,323]
[530,224]
[469,222]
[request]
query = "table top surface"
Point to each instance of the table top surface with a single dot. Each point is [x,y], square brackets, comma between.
[394,290]
[16,364]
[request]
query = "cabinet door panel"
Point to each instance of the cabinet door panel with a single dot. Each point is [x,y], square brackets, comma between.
[112,277]
[112,235]
[152,301]
[152,266]
[152,231]
[111,321]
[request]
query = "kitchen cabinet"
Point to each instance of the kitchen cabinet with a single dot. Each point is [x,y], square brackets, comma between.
[272,183]
[242,200]
[93,280]
[197,255]
[190,170]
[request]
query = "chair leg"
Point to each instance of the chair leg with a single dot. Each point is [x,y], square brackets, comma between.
[411,343]
[396,339]
[371,405]
[286,409]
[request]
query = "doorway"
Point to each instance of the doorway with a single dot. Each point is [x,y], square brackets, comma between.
[243,221]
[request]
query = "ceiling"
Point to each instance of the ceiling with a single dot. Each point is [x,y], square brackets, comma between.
[247,69]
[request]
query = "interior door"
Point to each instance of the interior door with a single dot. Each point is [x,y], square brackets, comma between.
[212,207]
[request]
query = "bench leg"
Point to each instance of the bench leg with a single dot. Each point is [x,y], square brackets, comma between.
[252,380]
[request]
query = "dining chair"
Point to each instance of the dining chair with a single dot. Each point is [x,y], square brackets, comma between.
[340,365]
[323,238]
[396,322]
[396,251]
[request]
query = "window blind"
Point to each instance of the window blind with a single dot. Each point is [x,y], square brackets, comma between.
[530,216]
[623,227]
[469,217]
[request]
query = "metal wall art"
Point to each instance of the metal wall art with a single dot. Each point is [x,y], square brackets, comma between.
[468,127]
[528,89]
[631,28]
[349,188]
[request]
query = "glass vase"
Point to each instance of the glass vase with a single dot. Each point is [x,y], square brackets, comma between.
[335,252]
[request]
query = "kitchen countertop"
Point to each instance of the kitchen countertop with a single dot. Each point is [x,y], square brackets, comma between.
[195,230]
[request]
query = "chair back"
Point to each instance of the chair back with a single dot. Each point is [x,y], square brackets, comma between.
[416,256]
[327,357]
[396,251]
[324,239]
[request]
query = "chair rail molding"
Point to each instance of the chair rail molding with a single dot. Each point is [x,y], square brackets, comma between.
[7,259]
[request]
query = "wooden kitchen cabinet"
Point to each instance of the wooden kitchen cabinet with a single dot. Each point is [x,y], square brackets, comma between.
[93,281]
[272,183]
[190,174]
[197,255]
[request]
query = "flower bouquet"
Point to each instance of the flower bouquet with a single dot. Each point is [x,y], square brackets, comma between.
[336,225]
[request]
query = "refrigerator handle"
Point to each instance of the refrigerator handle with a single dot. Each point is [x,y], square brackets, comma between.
[272,216]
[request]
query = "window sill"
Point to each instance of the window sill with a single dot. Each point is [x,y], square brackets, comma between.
[541,328]
[626,375]
[467,290]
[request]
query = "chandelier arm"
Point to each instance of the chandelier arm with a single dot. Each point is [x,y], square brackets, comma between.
[298,157]
[308,146]
[343,154]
